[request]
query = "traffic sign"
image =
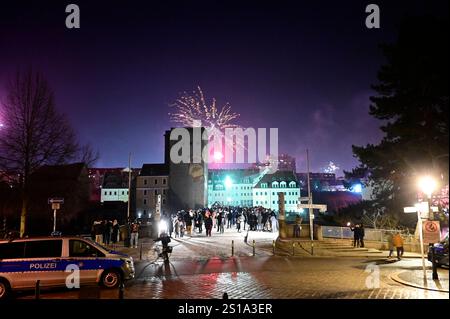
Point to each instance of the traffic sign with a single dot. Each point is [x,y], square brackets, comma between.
[321,208]
[56,205]
[431,232]
[59,200]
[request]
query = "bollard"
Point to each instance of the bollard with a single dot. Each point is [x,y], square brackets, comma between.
[312,249]
[121,290]
[254,246]
[293,249]
[273,246]
[37,289]
[140,253]
[434,263]
[232,248]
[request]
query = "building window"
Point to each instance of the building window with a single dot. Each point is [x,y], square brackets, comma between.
[156,181]
[145,202]
[164,181]
[145,192]
[106,193]
[145,211]
[263,185]
[265,193]
[273,202]
[145,182]
[164,192]
[164,201]
[292,184]
[156,192]
[110,193]
[283,185]
[275,184]
[123,192]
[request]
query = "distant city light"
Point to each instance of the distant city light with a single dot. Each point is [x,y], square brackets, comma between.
[357,188]
[228,182]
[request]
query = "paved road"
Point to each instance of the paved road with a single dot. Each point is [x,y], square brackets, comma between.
[202,268]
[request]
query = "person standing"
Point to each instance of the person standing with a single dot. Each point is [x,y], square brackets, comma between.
[297,226]
[355,230]
[238,222]
[107,232]
[134,234]
[115,232]
[361,235]
[182,228]
[177,227]
[274,223]
[98,230]
[208,224]
[398,243]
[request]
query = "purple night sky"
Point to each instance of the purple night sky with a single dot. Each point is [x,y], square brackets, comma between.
[304,67]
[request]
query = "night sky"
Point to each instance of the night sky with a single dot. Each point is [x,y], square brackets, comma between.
[303,66]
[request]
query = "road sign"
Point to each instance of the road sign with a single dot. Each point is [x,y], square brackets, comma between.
[56,200]
[321,208]
[431,232]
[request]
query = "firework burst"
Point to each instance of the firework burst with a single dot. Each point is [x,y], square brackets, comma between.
[193,110]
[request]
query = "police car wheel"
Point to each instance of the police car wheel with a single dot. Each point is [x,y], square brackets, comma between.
[4,289]
[111,279]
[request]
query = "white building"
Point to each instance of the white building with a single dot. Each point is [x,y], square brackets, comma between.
[114,187]
[232,187]
[249,187]
[265,192]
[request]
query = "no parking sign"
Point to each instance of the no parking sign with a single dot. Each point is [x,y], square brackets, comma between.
[431,232]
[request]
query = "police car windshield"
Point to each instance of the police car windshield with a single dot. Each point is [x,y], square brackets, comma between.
[101,246]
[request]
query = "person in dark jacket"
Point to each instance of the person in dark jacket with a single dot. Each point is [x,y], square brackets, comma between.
[107,228]
[208,224]
[356,234]
[115,232]
[361,235]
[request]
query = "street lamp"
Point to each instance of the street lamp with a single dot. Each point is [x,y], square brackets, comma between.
[427,185]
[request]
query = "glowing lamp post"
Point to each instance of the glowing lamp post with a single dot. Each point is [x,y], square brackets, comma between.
[428,185]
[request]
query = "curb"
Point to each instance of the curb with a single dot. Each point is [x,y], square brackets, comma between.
[396,278]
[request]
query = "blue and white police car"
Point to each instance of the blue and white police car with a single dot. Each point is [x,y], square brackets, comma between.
[52,259]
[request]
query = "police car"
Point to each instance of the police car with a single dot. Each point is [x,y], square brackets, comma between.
[53,259]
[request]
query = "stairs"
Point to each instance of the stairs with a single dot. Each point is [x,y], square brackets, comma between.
[343,249]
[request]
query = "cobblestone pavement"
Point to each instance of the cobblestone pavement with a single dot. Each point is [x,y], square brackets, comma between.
[202,267]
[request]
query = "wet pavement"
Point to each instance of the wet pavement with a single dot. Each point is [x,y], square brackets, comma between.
[203,267]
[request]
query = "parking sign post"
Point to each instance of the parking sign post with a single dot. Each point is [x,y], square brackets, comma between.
[56,204]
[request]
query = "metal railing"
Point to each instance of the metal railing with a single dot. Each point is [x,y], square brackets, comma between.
[380,235]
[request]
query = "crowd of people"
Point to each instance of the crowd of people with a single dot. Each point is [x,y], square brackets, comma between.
[106,231]
[185,223]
